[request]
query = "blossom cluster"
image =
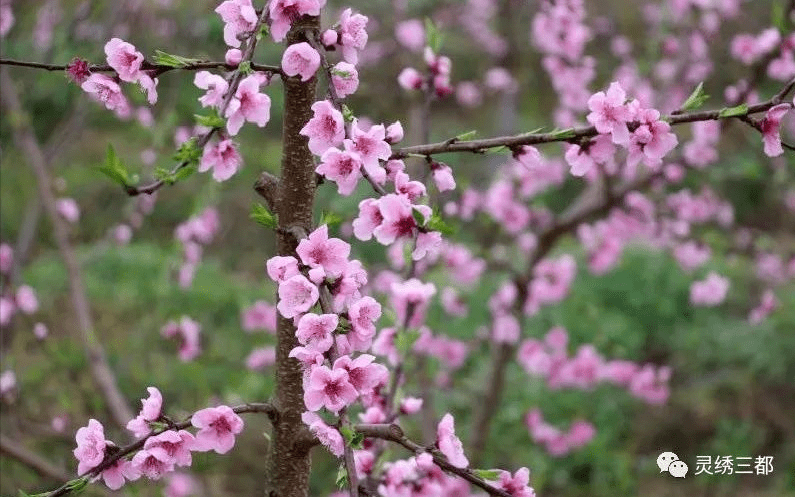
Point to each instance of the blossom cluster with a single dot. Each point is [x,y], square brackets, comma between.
[437,78]
[549,359]
[22,299]
[187,333]
[194,234]
[557,442]
[163,451]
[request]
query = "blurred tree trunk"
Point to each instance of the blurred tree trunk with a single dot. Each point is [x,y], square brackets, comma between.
[289,462]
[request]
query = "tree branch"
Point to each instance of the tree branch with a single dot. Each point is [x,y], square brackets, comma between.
[20,454]
[393,433]
[574,134]
[146,66]
[111,459]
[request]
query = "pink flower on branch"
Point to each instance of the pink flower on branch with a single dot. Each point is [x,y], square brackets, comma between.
[326,129]
[106,91]
[248,105]
[709,292]
[91,445]
[330,437]
[449,444]
[300,59]
[328,388]
[353,35]
[215,85]
[223,158]
[315,331]
[770,127]
[342,167]
[609,114]
[318,250]
[284,12]
[217,429]
[239,17]
[124,59]
[296,296]
[345,78]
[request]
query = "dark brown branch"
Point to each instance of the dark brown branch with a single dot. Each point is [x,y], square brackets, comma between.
[393,433]
[158,69]
[20,454]
[109,460]
[573,134]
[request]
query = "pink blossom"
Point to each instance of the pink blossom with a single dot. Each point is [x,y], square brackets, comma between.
[8,382]
[411,294]
[329,38]
[363,373]
[122,233]
[651,141]
[328,436]
[442,176]
[709,292]
[394,134]
[315,331]
[770,126]
[261,358]
[68,209]
[6,258]
[173,445]
[239,18]
[411,34]
[410,79]
[767,305]
[6,19]
[77,70]
[296,296]
[215,85]
[106,91]
[284,12]
[326,129]
[362,315]
[449,444]
[187,331]
[114,475]
[124,59]
[516,485]
[152,465]
[180,485]
[345,78]
[281,268]
[248,105]
[609,114]
[328,388]
[300,59]
[398,219]
[428,242]
[368,220]
[150,411]
[40,331]
[223,158]
[26,299]
[452,302]
[342,167]
[318,250]
[233,56]
[371,146]
[411,189]
[506,329]
[691,255]
[217,429]
[91,446]
[410,405]
[353,34]
[260,316]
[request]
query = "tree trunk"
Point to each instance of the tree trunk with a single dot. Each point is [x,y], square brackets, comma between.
[289,461]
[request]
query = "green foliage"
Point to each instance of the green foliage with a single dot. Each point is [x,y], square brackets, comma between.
[211,120]
[739,110]
[170,60]
[263,216]
[696,99]
[114,169]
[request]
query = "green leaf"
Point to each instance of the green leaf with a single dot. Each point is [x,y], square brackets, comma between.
[213,120]
[170,60]
[245,67]
[188,152]
[696,99]
[466,136]
[347,113]
[418,217]
[263,216]
[78,485]
[114,169]
[330,219]
[352,437]
[488,474]
[436,223]
[433,37]
[185,172]
[342,477]
[563,134]
[740,110]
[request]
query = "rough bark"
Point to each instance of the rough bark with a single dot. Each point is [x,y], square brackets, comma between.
[289,461]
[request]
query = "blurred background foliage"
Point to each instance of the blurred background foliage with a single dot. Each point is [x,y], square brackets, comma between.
[733,385]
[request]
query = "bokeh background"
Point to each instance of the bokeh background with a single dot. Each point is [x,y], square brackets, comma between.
[733,384]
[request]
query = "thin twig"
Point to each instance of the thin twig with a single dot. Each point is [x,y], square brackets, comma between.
[158,69]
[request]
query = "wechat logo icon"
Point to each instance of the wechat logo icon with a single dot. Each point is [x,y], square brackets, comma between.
[669,462]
